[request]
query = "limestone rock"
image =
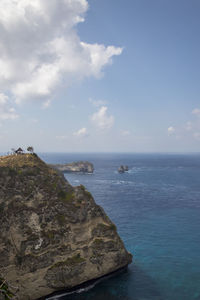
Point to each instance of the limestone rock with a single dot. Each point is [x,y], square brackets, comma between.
[79,166]
[53,236]
[122,169]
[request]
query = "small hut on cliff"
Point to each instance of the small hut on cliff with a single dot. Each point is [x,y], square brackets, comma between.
[19,151]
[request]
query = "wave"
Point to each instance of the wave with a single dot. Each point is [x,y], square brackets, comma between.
[87,287]
[78,291]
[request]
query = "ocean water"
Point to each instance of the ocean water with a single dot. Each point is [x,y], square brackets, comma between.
[156,207]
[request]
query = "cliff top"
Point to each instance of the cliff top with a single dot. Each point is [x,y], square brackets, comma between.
[21,161]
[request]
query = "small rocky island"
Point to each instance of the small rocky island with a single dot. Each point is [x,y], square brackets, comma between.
[122,169]
[53,236]
[79,166]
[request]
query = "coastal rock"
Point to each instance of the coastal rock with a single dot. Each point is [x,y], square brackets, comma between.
[53,236]
[122,169]
[79,166]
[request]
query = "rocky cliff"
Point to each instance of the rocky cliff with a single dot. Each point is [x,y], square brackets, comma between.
[122,169]
[79,166]
[53,236]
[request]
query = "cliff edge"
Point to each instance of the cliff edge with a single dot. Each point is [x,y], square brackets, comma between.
[53,236]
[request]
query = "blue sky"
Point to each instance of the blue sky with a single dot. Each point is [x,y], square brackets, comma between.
[64,89]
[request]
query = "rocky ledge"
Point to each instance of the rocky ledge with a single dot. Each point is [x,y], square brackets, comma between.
[53,236]
[79,166]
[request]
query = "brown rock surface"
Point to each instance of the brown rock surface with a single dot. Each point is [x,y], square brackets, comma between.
[74,167]
[53,236]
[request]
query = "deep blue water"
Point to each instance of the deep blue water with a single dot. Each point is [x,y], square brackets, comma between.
[156,207]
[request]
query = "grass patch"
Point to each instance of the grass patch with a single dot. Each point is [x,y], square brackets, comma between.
[113,227]
[86,191]
[54,186]
[20,161]
[50,234]
[98,242]
[82,187]
[104,227]
[88,194]
[98,245]
[66,197]
[61,220]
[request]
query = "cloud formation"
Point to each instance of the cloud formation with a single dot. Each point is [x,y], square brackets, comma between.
[101,119]
[171,130]
[191,129]
[40,48]
[81,133]
[6,110]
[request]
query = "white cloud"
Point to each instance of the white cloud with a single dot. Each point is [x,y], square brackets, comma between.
[81,133]
[6,111]
[196,112]
[101,118]
[97,103]
[40,48]
[171,130]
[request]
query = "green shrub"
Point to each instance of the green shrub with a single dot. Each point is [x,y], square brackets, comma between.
[65,196]
[113,227]
[5,290]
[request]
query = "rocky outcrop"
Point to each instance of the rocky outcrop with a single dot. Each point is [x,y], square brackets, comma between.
[122,169]
[53,236]
[79,166]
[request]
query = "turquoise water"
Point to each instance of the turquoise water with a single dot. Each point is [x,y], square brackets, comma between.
[156,207]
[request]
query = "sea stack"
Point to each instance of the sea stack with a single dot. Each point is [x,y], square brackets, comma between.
[53,236]
[122,169]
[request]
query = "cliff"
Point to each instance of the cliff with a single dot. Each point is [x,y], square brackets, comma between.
[79,166]
[53,236]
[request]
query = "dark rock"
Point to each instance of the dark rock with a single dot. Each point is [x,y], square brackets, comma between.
[122,169]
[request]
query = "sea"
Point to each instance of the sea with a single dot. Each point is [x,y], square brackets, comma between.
[156,208]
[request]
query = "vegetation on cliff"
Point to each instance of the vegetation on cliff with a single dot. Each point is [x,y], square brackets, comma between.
[5,293]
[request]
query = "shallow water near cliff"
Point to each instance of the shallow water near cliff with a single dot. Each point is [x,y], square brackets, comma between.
[156,207]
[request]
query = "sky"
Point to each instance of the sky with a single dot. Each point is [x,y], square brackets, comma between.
[100,75]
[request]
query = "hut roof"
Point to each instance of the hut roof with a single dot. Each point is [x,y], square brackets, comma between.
[19,150]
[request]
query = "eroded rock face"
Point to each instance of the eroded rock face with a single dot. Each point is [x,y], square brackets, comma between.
[79,166]
[53,236]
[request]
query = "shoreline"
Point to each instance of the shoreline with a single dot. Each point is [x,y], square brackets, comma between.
[83,287]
